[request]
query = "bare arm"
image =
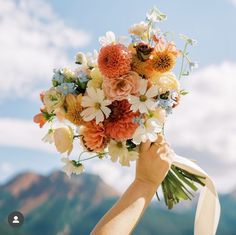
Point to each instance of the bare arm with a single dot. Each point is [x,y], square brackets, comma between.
[122,218]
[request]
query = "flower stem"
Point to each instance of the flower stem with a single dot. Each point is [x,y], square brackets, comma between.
[182,62]
[178,184]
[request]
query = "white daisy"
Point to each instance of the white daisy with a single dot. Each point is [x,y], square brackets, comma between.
[118,150]
[72,167]
[144,101]
[148,131]
[95,104]
[107,39]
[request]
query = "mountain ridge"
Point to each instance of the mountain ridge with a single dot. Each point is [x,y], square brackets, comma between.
[58,205]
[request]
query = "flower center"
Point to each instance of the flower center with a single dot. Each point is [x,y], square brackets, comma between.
[97,105]
[143,98]
[119,144]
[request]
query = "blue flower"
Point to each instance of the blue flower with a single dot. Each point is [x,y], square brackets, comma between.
[168,102]
[82,80]
[67,88]
[139,121]
[58,77]
[135,39]
[83,77]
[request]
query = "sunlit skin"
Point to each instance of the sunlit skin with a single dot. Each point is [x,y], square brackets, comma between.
[151,170]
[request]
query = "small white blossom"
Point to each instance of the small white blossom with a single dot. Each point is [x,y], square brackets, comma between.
[118,150]
[155,15]
[48,138]
[72,167]
[193,65]
[80,58]
[187,39]
[148,131]
[109,38]
[92,59]
[139,29]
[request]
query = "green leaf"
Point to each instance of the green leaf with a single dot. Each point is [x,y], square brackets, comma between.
[184,92]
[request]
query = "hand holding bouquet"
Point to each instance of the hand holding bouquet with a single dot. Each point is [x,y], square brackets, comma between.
[118,98]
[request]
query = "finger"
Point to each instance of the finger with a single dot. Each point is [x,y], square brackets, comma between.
[145,146]
[163,149]
[155,147]
[160,139]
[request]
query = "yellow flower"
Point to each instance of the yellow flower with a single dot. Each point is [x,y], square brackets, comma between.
[159,114]
[166,82]
[119,151]
[53,99]
[63,139]
[74,109]
[97,78]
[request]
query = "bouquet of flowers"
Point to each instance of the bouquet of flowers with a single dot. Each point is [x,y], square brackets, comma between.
[119,97]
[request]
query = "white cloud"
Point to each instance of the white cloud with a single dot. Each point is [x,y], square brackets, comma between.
[205,119]
[23,134]
[6,170]
[233,2]
[33,41]
[113,173]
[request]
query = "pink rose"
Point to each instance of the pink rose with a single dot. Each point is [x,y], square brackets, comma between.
[119,88]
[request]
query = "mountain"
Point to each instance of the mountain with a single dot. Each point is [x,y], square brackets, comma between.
[58,205]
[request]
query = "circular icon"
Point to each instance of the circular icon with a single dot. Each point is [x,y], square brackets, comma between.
[15,219]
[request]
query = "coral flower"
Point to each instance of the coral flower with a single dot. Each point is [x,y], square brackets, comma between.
[40,119]
[114,60]
[120,125]
[119,88]
[74,109]
[94,138]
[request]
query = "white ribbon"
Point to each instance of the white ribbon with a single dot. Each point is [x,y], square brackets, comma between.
[208,208]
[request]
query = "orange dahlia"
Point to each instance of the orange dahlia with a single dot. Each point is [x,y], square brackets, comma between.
[94,138]
[114,60]
[120,125]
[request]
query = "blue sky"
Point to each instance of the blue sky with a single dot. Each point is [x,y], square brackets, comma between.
[36,36]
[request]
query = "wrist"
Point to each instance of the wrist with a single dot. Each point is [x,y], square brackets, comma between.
[146,184]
